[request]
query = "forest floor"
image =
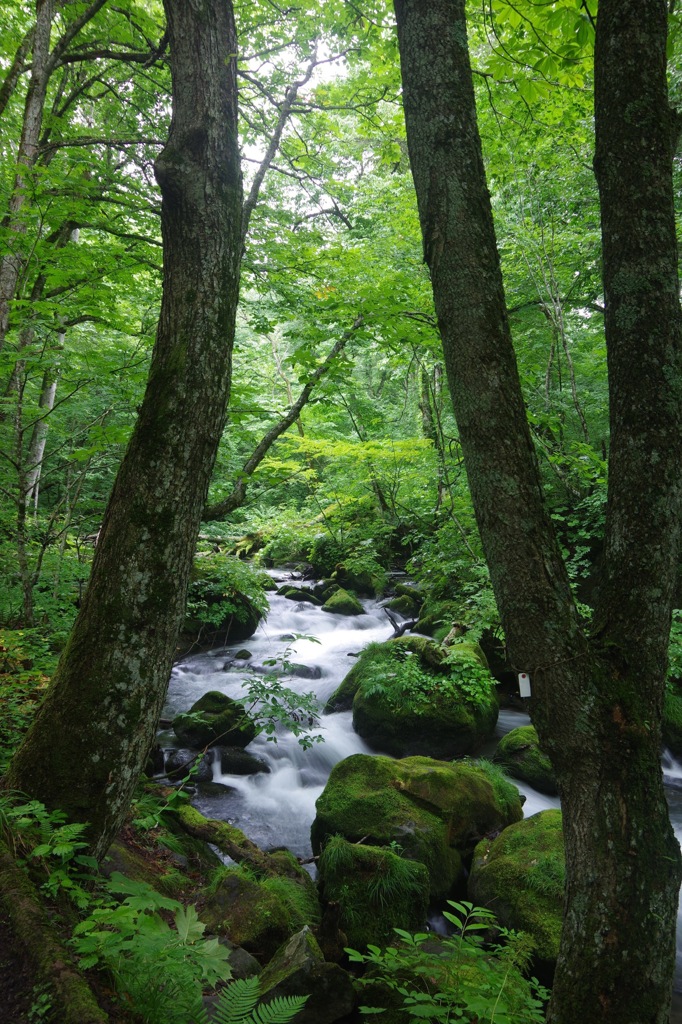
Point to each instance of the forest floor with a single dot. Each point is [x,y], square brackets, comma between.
[18,994]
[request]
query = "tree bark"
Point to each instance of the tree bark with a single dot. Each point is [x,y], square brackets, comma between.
[90,739]
[597,699]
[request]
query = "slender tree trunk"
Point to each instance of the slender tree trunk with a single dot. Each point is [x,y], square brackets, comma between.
[39,436]
[237,496]
[90,739]
[44,61]
[597,699]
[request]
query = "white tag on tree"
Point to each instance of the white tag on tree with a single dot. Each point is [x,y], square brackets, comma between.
[524,684]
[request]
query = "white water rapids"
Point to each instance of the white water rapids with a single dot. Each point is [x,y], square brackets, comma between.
[277,809]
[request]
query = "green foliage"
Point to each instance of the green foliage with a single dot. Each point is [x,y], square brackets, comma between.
[374,887]
[224,586]
[158,967]
[404,676]
[49,847]
[272,706]
[25,657]
[238,1005]
[460,978]
[675,649]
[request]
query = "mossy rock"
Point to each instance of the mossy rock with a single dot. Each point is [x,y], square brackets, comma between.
[299,594]
[405,605]
[299,969]
[160,873]
[672,721]
[226,602]
[376,891]
[343,603]
[214,718]
[259,914]
[436,618]
[519,753]
[410,590]
[342,697]
[520,876]
[434,811]
[409,701]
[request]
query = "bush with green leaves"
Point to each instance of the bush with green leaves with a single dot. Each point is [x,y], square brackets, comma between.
[223,586]
[25,662]
[49,847]
[461,978]
[158,967]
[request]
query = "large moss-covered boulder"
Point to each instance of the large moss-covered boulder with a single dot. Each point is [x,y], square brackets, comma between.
[520,876]
[520,755]
[414,697]
[672,720]
[214,718]
[342,697]
[341,602]
[376,890]
[260,914]
[299,969]
[434,811]
[225,602]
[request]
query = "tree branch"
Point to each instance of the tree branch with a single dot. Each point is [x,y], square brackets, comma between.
[236,498]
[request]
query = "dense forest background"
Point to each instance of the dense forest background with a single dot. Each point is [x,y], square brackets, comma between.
[332,254]
[340,454]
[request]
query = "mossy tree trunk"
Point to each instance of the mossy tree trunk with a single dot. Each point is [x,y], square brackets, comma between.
[598,696]
[90,739]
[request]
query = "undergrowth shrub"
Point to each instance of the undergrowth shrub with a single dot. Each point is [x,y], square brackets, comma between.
[461,978]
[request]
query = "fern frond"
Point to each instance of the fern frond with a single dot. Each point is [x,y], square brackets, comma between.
[281,1010]
[237,1001]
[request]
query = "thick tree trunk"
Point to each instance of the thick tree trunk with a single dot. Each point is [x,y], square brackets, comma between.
[597,700]
[90,739]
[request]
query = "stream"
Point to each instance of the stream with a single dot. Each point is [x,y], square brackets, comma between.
[277,809]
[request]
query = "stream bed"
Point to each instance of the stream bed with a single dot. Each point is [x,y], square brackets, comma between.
[277,809]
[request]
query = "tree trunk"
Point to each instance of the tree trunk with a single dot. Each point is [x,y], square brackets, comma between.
[41,427]
[597,700]
[90,739]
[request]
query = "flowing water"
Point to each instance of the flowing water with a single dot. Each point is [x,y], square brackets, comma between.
[277,809]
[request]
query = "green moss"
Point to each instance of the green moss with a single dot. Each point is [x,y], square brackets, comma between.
[434,810]
[520,876]
[404,605]
[258,914]
[214,718]
[414,697]
[342,602]
[226,600]
[376,890]
[519,752]
[436,618]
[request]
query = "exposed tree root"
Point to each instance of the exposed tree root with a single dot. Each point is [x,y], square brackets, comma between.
[232,841]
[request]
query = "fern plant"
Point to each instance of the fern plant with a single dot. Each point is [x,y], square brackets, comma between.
[238,1004]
